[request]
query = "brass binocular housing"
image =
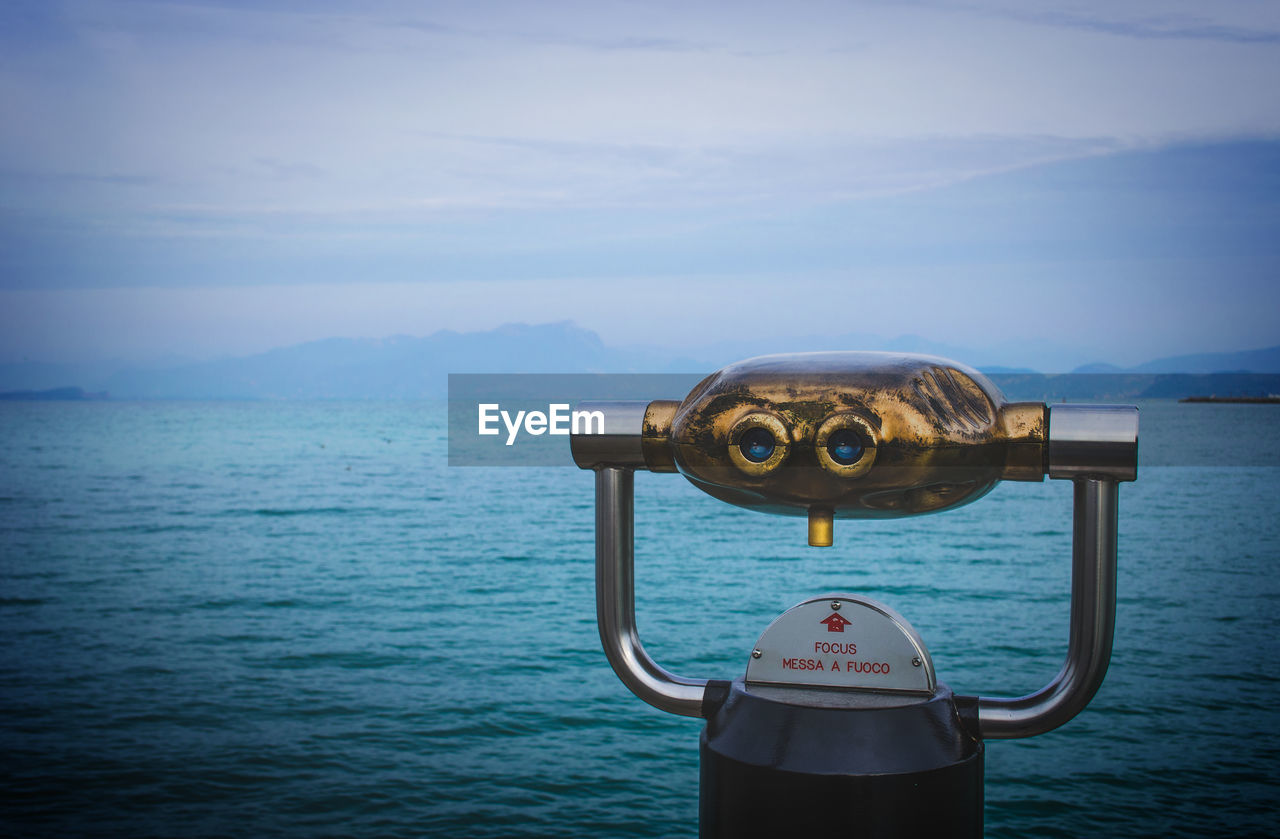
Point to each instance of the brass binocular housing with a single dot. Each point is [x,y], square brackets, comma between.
[857,435]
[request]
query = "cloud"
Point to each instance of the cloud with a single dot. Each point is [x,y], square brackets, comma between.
[1154,27]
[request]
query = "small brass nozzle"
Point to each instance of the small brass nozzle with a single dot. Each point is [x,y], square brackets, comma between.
[821,527]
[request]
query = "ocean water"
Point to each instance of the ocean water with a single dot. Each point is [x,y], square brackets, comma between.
[293,619]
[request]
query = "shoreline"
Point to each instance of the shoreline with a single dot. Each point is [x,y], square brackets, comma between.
[1242,400]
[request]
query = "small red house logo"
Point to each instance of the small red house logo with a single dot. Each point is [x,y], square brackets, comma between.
[835,622]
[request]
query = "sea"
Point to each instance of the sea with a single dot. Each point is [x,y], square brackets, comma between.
[295,619]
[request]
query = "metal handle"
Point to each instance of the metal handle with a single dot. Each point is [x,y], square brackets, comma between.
[1093,621]
[1093,601]
[1095,446]
[616,602]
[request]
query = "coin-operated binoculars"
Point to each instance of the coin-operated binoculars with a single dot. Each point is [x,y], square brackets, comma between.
[839,724]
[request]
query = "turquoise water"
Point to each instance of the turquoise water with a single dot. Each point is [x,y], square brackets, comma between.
[293,619]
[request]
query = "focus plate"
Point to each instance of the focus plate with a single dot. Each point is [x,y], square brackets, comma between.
[842,641]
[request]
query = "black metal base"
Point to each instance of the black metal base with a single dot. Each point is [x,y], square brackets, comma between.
[804,762]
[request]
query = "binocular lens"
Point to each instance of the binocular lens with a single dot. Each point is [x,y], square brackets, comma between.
[844,446]
[756,444]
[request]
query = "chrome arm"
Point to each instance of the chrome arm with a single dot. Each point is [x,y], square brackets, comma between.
[1095,446]
[616,603]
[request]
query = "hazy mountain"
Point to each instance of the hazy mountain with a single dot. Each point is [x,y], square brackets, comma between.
[40,375]
[405,367]
[1128,387]
[387,368]
[1249,361]
[1097,367]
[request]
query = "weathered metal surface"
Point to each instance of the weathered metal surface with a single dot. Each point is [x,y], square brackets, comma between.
[857,434]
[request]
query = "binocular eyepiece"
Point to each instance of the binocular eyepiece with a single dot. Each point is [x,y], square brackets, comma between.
[857,435]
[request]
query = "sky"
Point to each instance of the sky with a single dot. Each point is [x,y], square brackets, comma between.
[1086,180]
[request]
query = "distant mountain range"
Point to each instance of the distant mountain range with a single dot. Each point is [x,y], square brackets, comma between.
[405,367]
[1249,361]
